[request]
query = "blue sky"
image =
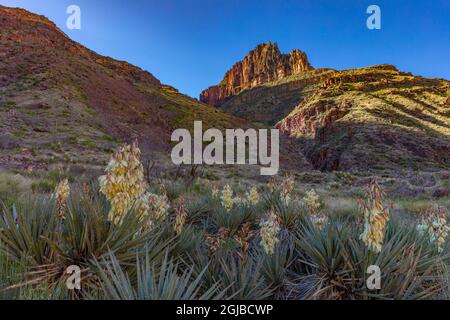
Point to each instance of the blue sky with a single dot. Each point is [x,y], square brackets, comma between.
[190,44]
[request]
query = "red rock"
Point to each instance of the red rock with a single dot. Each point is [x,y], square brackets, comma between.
[263,64]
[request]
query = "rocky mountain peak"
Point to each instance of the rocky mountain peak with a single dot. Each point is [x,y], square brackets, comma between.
[263,64]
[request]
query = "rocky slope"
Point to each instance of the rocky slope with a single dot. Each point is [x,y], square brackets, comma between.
[263,64]
[374,118]
[368,120]
[63,103]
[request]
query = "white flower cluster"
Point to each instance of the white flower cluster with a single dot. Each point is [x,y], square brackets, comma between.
[253,196]
[228,199]
[124,181]
[287,186]
[124,186]
[374,225]
[312,201]
[435,225]
[313,205]
[269,230]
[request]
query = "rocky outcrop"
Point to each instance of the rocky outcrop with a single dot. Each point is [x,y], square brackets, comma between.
[263,64]
[314,114]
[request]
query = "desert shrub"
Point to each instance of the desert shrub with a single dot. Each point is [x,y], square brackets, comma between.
[416,207]
[43,186]
[48,182]
[11,186]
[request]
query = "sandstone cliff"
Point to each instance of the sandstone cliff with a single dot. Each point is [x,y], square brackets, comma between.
[263,64]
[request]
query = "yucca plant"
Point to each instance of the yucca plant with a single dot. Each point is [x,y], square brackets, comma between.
[31,231]
[232,220]
[166,281]
[411,266]
[275,268]
[333,264]
[243,280]
[325,271]
[290,214]
[88,235]
[188,241]
[25,229]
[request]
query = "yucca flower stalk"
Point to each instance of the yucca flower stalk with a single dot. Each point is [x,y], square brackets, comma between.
[376,216]
[124,182]
[269,231]
[435,225]
[152,208]
[253,196]
[272,185]
[61,195]
[180,216]
[241,201]
[287,186]
[243,237]
[313,205]
[214,191]
[227,198]
[312,202]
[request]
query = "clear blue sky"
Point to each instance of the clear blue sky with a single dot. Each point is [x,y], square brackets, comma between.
[190,44]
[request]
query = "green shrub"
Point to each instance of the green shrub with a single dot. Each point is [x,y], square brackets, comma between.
[43,186]
[11,186]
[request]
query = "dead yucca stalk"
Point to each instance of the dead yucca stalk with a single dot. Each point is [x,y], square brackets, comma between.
[180,216]
[215,241]
[243,237]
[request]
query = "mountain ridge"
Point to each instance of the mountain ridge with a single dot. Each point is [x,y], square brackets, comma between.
[372,118]
[63,103]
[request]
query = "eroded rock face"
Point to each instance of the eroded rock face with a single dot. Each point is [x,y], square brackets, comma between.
[263,64]
[371,118]
[313,118]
